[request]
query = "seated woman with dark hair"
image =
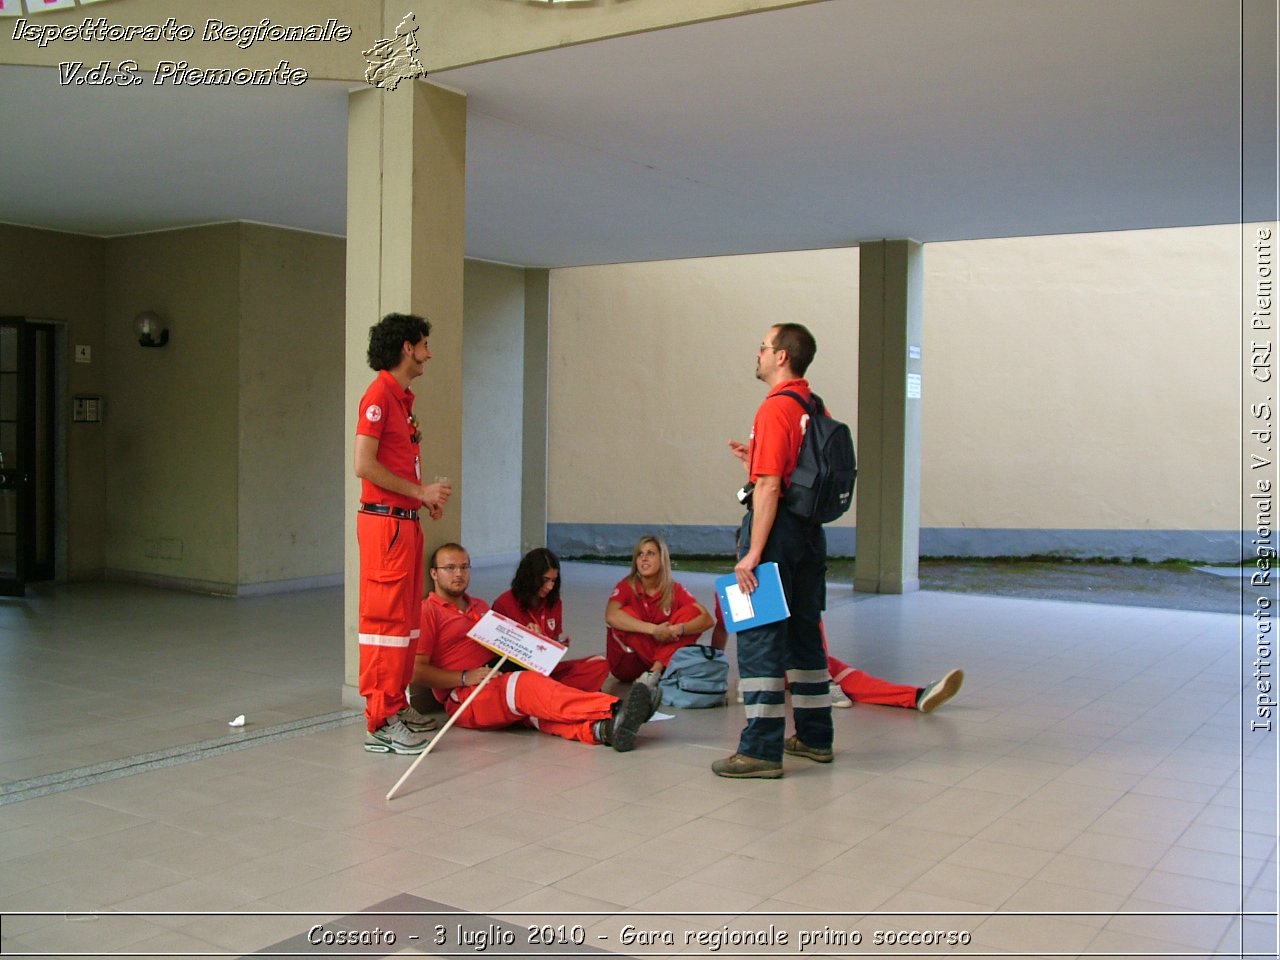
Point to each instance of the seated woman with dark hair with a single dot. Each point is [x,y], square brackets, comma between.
[534,602]
[649,615]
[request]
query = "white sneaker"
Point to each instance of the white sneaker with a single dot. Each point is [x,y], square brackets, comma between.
[938,693]
[394,737]
[418,722]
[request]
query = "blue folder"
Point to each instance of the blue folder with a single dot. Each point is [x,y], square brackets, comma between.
[766,604]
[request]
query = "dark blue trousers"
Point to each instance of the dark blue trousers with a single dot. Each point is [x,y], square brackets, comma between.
[790,649]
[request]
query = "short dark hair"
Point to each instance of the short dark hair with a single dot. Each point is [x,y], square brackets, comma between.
[387,338]
[446,546]
[796,339]
[527,582]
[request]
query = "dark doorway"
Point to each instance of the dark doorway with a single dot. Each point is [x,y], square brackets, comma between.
[27,431]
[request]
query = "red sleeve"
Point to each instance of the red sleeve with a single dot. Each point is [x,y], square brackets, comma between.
[508,607]
[374,409]
[623,593]
[681,598]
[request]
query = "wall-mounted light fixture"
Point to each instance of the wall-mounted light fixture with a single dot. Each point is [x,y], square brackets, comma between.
[151,330]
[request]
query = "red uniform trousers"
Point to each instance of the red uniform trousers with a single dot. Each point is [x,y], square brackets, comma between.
[538,701]
[586,673]
[391,571]
[864,688]
[631,654]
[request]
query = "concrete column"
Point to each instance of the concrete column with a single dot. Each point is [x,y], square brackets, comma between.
[891,283]
[537,325]
[406,158]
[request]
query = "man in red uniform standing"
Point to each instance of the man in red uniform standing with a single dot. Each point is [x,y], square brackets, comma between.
[453,664]
[789,652]
[388,463]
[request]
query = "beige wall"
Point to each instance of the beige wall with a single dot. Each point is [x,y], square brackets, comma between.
[171,423]
[653,371]
[59,276]
[492,388]
[218,462]
[1083,383]
[290,492]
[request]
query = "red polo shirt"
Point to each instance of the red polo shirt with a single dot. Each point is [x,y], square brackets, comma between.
[549,621]
[385,412]
[647,606]
[443,638]
[777,433]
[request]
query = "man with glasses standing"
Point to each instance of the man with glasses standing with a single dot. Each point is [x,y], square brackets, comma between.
[789,652]
[388,463]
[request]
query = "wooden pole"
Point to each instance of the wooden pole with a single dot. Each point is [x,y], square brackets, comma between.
[445,729]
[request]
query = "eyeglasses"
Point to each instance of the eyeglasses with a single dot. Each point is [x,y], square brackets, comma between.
[413,425]
[769,346]
[456,568]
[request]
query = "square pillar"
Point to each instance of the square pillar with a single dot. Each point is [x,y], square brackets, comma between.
[406,166]
[533,489]
[891,285]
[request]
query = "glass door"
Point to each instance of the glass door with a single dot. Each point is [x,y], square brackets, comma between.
[13,482]
[26,453]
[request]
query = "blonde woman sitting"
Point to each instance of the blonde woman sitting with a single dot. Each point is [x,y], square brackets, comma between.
[649,615]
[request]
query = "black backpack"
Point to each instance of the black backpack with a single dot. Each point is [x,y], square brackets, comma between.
[821,488]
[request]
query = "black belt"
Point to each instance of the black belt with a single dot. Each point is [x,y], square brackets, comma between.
[383,510]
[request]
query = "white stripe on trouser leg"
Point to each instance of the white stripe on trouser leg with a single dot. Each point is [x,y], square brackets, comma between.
[842,674]
[810,702]
[760,684]
[614,638]
[764,711]
[808,676]
[512,679]
[382,640]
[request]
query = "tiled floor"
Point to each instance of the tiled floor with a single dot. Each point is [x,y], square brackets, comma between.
[92,673]
[1092,791]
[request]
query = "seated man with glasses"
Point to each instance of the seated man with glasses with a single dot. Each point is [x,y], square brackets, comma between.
[452,664]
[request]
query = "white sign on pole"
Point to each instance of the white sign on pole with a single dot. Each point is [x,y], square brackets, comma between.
[504,636]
